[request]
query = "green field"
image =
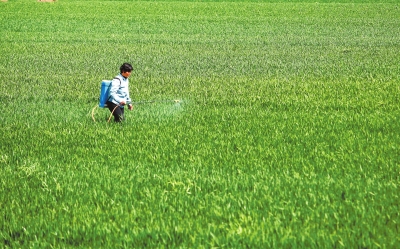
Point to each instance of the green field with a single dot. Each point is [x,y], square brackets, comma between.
[287,134]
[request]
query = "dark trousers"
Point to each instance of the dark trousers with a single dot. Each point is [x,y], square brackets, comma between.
[118,112]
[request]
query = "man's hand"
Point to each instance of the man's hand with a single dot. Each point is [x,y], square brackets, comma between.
[122,103]
[130,107]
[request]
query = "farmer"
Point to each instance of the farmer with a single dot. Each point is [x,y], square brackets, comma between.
[119,93]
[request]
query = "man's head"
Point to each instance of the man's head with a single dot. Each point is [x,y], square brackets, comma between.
[126,70]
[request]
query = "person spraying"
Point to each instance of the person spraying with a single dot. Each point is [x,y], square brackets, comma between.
[119,93]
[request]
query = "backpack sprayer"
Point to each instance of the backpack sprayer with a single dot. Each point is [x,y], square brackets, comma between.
[105,95]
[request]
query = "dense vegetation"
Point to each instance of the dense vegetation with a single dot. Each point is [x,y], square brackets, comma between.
[286,135]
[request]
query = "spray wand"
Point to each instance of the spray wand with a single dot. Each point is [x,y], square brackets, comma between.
[135,103]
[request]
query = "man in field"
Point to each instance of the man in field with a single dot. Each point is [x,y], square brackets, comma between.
[119,93]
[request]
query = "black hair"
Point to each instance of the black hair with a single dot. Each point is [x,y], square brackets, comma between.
[126,67]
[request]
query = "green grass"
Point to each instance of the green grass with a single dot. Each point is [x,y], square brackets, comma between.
[287,135]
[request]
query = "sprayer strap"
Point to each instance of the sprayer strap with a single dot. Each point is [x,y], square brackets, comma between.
[111,85]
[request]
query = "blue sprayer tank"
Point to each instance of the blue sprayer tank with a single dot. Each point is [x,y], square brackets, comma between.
[104,92]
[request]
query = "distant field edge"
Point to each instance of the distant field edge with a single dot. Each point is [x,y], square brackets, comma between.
[238,1]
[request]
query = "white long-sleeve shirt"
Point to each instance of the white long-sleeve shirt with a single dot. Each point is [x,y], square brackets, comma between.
[119,90]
